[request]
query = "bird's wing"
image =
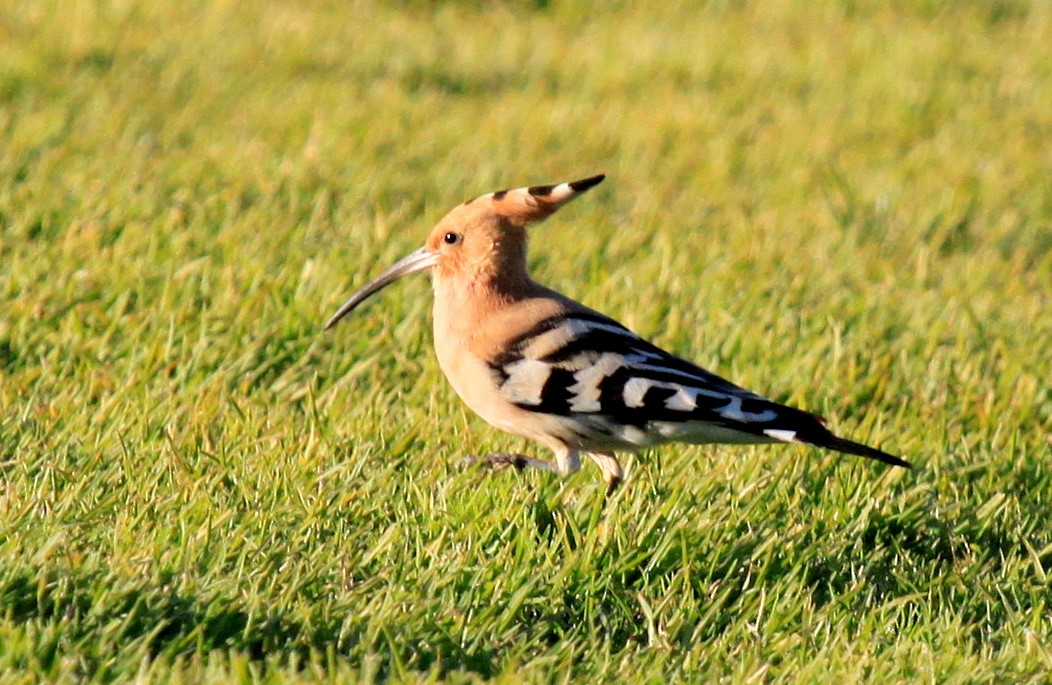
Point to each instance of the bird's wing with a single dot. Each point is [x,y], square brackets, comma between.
[581,363]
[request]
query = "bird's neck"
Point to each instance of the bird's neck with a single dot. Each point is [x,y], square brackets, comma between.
[483,291]
[503,271]
[499,275]
[466,300]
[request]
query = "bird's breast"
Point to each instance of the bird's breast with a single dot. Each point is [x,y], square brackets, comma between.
[469,339]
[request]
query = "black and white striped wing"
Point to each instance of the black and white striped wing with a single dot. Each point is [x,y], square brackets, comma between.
[622,390]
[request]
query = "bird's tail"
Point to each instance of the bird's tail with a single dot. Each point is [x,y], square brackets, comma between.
[833,442]
[797,425]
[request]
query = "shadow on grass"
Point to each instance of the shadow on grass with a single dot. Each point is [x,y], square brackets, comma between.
[99,619]
[904,565]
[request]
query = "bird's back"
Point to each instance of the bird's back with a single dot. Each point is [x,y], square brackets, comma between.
[545,359]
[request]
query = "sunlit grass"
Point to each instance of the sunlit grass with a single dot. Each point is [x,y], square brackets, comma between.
[844,205]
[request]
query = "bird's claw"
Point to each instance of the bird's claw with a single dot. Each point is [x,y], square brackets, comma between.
[495,461]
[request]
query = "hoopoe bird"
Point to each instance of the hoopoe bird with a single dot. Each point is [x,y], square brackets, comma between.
[535,363]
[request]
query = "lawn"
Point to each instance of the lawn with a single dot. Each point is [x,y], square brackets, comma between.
[845,205]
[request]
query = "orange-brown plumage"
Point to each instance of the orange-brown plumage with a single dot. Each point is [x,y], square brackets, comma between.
[535,363]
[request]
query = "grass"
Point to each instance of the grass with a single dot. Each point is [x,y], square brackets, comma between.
[845,205]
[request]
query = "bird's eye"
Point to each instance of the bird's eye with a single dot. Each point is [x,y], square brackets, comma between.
[451,238]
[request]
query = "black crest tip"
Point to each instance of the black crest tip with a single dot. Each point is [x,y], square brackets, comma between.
[586,183]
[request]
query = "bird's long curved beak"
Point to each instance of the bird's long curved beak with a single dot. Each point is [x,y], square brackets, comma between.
[411,263]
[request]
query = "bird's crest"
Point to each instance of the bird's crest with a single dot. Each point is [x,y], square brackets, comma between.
[530,204]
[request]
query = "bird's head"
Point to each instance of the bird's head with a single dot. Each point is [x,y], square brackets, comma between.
[484,238]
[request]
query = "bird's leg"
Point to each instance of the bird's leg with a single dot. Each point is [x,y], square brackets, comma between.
[611,469]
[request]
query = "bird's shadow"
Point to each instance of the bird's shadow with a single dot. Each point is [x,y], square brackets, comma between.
[890,558]
[166,621]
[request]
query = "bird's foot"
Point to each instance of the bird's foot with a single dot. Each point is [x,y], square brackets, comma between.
[501,460]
